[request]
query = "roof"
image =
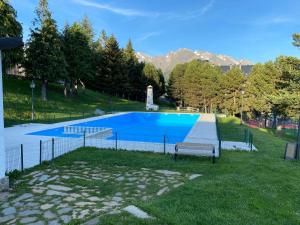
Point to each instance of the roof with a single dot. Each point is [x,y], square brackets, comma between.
[10,42]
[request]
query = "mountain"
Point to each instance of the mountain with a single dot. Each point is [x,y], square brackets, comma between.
[168,62]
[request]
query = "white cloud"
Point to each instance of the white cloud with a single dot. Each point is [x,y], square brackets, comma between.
[133,12]
[145,36]
[120,11]
[273,20]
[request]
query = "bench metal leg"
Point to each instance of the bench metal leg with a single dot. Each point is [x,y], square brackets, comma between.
[213,156]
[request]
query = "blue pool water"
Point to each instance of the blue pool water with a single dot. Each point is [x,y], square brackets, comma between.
[147,127]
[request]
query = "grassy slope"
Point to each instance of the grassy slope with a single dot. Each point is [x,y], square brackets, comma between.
[17,103]
[242,188]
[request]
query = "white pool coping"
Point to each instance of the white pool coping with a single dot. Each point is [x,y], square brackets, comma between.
[204,131]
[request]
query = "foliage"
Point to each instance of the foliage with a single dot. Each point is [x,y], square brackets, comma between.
[44,57]
[10,27]
[288,85]
[296,40]
[78,54]
[260,86]
[155,78]
[176,83]
[232,87]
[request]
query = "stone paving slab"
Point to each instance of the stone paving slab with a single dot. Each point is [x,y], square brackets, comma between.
[82,191]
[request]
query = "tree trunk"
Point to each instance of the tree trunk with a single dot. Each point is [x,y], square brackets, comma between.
[44,90]
[66,89]
[275,120]
[82,84]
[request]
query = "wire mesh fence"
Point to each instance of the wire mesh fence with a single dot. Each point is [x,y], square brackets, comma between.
[20,157]
[13,159]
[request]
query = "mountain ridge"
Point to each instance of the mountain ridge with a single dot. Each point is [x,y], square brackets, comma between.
[182,55]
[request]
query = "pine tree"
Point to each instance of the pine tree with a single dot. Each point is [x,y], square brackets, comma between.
[232,84]
[296,40]
[78,55]
[154,78]
[288,85]
[176,88]
[260,86]
[87,29]
[200,82]
[44,56]
[135,82]
[10,27]
[113,64]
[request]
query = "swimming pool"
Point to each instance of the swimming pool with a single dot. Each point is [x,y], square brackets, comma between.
[138,126]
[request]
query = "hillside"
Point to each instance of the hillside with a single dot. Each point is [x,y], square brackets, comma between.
[167,62]
[17,103]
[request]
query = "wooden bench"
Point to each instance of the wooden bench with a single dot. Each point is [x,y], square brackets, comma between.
[198,149]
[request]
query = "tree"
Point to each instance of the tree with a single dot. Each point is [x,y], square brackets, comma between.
[44,57]
[200,83]
[113,64]
[87,29]
[231,84]
[154,78]
[78,55]
[296,40]
[135,83]
[288,85]
[260,87]
[10,27]
[176,83]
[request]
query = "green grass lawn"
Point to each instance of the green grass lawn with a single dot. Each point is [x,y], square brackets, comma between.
[17,103]
[241,188]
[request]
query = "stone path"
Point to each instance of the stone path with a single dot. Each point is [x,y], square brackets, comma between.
[84,192]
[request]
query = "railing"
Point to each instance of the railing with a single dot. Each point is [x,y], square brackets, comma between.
[22,157]
[248,138]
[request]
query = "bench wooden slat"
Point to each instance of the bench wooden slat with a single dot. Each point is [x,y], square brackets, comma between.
[196,147]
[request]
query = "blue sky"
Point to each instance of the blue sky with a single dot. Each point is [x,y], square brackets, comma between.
[258,30]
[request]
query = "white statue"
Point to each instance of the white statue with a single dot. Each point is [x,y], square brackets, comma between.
[149,100]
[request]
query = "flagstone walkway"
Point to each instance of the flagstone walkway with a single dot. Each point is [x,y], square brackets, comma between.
[79,191]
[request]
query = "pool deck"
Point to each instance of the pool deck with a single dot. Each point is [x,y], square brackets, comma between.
[17,135]
[204,132]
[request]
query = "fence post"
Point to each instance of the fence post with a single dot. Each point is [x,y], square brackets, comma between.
[40,151]
[164,144]
[251,148]
[52,148]
[22,160]
[84,138]
[116,141]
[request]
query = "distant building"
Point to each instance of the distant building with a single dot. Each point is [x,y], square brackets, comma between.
[246,69]
[16,70]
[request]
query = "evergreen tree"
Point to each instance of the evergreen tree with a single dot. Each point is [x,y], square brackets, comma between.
[44,56]
[87,29]
[78,55]
[232,83]
[201,80]
[113,64]
[288,85]
[176,88]
[135,83]
[10,27]
[154,78]
[97,82]
[260,86]
[296,40]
